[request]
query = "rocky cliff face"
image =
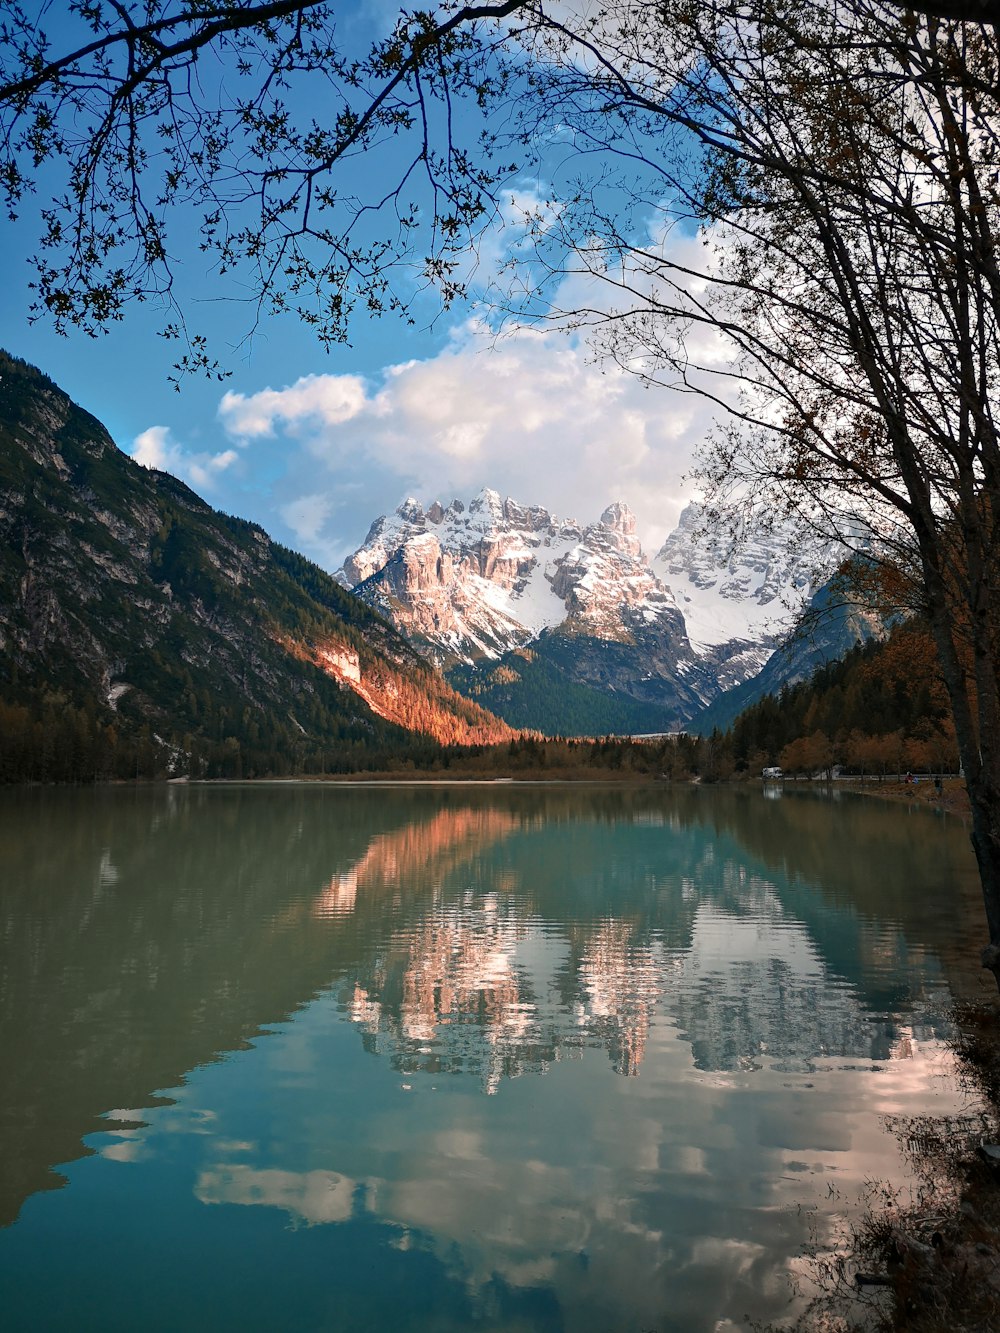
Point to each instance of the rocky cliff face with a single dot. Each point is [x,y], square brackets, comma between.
[741,601]
[741,595]
[464,582]
[475,587]
[473,582]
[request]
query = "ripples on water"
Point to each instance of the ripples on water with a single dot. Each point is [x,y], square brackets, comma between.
[524,1059]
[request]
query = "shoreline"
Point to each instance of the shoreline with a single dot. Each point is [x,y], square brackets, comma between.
[954,799]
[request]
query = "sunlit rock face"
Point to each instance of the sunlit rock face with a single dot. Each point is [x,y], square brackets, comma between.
[605,583]
[465,582]
[471,583]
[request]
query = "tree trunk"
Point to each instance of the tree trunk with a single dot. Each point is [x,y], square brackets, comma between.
[986,844]
[977,731]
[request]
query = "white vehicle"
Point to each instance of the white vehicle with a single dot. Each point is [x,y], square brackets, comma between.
[772,774]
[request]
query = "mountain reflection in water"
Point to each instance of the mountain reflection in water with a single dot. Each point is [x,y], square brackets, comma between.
[725,953]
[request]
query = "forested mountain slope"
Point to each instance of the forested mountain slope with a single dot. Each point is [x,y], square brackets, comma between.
[143,632]
[881,708]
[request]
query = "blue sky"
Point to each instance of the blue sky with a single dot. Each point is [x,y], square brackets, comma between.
[313,446]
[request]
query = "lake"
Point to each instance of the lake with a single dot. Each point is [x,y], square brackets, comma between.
[519,1058]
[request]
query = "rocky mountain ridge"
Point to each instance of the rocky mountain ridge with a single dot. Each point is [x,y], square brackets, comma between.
[468,582]
[480,589]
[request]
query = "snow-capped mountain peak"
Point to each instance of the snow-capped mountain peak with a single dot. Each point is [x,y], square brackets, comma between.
[477,580]
[469,583]
[619,519]
[751,590]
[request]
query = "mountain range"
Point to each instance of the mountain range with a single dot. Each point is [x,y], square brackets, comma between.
[571,628]
[129,608]
[142,631]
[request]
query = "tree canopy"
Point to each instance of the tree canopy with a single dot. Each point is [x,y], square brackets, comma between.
[251,132]
[845,312]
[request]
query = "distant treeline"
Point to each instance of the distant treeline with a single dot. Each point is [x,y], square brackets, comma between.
[881,709]
[48,738]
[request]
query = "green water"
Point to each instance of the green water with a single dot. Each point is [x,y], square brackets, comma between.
[495,1058]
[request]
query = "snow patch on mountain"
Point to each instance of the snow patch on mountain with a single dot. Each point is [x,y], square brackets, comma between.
[478,581]
[468,584]
[752,592]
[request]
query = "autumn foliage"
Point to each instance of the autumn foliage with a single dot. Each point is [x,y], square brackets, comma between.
[882,709]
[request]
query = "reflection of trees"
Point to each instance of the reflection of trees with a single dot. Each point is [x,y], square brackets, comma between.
[846,861]
[742,1000]
[440,843]
[748,966]
[477,930]
[146,931]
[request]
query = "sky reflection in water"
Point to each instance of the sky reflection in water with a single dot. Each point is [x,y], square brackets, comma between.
[324,1017]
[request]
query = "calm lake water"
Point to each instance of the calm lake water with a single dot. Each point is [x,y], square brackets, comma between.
[497,1058]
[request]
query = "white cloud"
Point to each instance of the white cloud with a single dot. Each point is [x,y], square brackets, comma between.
[306,515]
[312,401]
[538,415]
[152,448]
[532,416]
[310,1196]
[155,448]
